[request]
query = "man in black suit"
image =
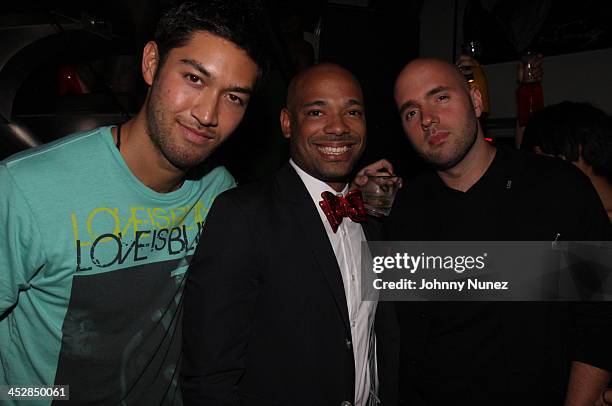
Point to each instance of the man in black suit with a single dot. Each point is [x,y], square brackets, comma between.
[273,309]
[488,353]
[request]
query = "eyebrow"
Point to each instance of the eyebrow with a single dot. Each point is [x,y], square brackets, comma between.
[197,66]
[410,103]
[354,102]
[200,68]
[406,105]
[350,102]
[438,89]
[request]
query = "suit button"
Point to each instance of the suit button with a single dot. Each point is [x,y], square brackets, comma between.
[346,403]
[349,344]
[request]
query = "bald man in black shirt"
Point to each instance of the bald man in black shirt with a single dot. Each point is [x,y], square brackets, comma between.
[485,353]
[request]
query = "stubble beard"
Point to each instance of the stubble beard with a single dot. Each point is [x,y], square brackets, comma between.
[160,132]
[443,161]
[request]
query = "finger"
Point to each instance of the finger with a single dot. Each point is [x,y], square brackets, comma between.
[600,400]
[382,165]
[359,181]
[607,396]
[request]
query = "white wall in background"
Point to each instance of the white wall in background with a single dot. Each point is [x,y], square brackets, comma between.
[585,76]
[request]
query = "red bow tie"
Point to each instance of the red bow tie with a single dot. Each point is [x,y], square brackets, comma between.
[338,207]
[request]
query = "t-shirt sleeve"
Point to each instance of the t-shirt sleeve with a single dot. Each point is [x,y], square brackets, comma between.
[221,179]
[593,320]
[227,180]
[21,249]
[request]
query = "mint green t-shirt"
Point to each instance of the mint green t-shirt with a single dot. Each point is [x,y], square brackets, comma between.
[92,267]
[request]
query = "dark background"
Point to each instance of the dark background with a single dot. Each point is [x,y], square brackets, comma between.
[507,28]
[102,41]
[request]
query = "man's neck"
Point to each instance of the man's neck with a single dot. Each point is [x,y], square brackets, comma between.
[604,190]
[471,168]
[144,158]
[336,186]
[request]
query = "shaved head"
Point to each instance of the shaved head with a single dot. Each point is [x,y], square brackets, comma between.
[433,63]
[313,73]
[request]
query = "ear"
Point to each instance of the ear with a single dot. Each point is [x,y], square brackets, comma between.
[285,121]
[150,62]
[476,97]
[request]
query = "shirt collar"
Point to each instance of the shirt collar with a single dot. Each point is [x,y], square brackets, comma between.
[497,175]
[316,186]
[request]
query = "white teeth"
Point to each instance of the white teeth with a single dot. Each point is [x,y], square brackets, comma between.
[334,150]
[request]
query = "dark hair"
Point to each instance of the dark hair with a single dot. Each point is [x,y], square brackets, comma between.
[238,21]
[572,130]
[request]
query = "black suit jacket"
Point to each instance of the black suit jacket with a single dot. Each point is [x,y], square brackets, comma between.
[265,316]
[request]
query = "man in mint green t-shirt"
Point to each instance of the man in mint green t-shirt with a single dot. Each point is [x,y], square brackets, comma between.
[97,229]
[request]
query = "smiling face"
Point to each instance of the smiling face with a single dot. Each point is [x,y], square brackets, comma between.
[439,112]
[198,96]
[325,123]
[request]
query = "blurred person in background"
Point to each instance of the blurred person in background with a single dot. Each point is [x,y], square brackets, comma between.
[578,133]
[491,353]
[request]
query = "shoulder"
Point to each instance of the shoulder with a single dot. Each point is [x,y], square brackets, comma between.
[65,155]
[266,196]
[556,191]
[250,195]
[240,210]
[549,174]
[219,178]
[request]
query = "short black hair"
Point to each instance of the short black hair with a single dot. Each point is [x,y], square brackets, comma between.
[238,21]
[572,130]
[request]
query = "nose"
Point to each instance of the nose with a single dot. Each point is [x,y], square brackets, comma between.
[336,125]
[428,118]
[206,110]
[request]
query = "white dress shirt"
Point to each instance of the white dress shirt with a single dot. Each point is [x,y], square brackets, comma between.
[346,243]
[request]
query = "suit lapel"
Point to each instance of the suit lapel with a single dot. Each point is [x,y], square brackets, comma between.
[372,228]
[291,190]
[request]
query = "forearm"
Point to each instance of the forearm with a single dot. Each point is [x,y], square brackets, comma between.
[586,384]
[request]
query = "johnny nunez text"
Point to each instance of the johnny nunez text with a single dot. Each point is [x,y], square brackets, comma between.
[470,284]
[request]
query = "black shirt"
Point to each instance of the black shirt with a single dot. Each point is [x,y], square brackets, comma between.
[499,353]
